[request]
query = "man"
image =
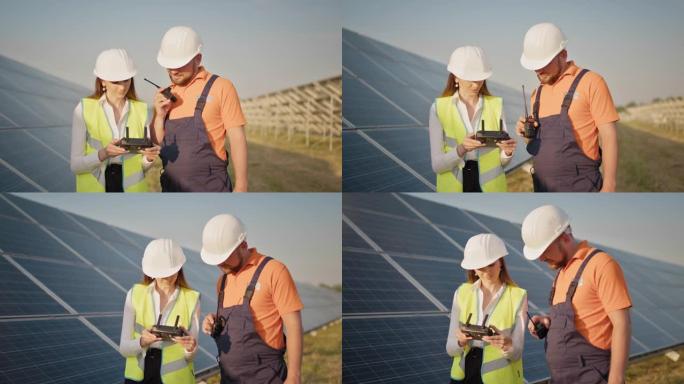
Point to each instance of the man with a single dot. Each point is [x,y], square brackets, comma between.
[572,110]
[257,296]
[589,324]
[192,130]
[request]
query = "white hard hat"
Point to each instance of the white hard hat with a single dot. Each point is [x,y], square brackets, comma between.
[179,45]
[162,258]
[221,235]
[482,250]
[469,63]
[114,65]
[542,43]
[541,227]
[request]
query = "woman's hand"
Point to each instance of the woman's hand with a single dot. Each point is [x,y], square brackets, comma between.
[500,341]
[188,342]
[150,153]
[463,339]
[469,144]
[508,146]
[111,150]
[147,338]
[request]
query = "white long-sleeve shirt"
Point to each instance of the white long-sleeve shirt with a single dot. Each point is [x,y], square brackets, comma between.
[442,162]
[129,347]
[82,163]
[517,336]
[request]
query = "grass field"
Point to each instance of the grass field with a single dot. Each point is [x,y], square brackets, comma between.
[648,161]
[322,358]
[276,165]
[657,369]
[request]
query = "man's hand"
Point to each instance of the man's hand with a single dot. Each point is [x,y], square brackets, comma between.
[520,126]
[208,323]
[162,105]
[536,319]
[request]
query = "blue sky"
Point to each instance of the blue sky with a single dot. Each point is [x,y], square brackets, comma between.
[262,45]
[637,46]
[648,224]
[302,230]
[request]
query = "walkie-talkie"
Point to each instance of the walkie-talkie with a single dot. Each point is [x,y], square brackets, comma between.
[167,332]
[530,129]
[166,92]
[539,327]
[490,138]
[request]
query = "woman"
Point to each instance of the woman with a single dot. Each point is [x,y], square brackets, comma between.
[100,122]
[163,292]
[462,163]
[490,294]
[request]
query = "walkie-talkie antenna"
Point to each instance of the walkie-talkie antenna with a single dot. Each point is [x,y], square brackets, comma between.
[151,83]
[525,102]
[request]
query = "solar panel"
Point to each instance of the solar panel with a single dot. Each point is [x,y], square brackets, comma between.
[35,129]
[397,299]
[56,304]
[56,351]
[387,95]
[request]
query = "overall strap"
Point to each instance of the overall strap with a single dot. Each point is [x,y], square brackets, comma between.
[535,106]
[219,303]
[567,100]
[249,292]
[575,281]
[553,289]
[199,107]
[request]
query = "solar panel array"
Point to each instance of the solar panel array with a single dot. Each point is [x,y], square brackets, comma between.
[35,129]
[387,97]
[63,282]
[401,266]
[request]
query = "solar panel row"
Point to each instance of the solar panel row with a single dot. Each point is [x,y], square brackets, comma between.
[63,280]
[401,266]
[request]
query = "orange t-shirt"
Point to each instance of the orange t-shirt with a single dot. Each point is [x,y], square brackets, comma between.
[592,105]
[221,112]
[602,289]
[275,295]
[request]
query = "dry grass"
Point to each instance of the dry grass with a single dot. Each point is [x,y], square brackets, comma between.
[648,161]
[657,369]
[276,165]
[322,358]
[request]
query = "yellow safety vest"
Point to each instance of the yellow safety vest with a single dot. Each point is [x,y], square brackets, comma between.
[496,369]
[99,135]
[492,176]
[174,367]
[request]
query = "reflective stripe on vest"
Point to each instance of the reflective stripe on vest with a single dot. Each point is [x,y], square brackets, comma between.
[174,367]
[492,176]
[99,135]
[495,367]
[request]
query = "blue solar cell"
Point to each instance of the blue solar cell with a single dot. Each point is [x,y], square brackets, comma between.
[11,182]
[78,284]
[6,209]
[379,202]
[363,107]
[440,278]
[372,285]
[322,304]
[103,230]
[47,218]
[56,351]
[21,297]
[395,350]
[442,214]
[502,228]
[24,238]
[410,145]
[365,168]
[36,162]
[351,239]
[403,236]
